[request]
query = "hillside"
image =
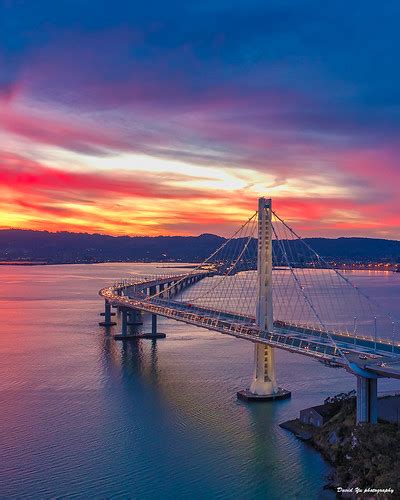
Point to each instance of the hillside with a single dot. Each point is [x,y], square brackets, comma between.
[16,245]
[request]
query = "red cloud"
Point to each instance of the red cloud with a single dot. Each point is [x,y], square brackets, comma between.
[48,198]
[26,176]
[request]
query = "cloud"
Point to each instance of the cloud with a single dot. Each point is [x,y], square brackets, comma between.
[37,196]
[118,202]
[27,175]
[263,86]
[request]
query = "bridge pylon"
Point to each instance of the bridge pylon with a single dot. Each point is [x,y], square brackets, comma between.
[263,385]
[107,315]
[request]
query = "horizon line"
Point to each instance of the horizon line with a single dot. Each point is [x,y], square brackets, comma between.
[179,235]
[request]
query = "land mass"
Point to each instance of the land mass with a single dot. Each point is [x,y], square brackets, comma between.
[18,246]
[365,457]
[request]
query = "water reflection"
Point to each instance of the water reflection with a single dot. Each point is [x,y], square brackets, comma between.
[84,415]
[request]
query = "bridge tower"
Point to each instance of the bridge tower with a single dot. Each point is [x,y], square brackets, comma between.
[263,385]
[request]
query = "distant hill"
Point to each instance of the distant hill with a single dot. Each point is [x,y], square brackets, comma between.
[64,247]
[17,244]
[356,249]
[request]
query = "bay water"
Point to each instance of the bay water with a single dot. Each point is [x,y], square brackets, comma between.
[85,416]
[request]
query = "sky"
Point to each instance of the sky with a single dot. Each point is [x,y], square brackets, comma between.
[172,118]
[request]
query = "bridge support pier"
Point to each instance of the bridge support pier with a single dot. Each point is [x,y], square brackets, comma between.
[107,315]
[124,325]
[124,335]
[124,322]
[134,318]
[263,386]
[367,400]
[154,334]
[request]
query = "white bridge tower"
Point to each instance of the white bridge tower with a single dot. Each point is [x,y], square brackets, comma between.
[263,385]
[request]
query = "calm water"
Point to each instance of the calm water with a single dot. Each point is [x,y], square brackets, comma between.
[85,416]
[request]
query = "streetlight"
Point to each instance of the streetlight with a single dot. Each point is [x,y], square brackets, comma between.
[392,336]
[355,330]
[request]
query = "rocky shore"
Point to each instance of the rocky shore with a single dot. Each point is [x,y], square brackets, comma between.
[366,457]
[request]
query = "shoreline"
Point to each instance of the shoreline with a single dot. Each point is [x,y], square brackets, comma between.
[33,263]
[352,450]
[169,265]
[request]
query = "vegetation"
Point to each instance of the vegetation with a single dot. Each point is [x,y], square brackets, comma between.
[364,456]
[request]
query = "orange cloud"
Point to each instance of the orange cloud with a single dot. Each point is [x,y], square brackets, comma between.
[36,196]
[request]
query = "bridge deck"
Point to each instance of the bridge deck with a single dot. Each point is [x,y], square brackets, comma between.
[379,357]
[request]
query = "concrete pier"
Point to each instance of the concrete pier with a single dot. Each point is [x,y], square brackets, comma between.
[154,333]
[107,315]
[126,335]
[124,322]
[367,400]
[124,325]
[263,386]
[134,318]
[248,396]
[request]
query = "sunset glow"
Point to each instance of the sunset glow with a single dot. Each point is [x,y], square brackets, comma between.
[138,125]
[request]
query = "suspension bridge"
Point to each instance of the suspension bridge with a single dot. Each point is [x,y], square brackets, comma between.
[265,284]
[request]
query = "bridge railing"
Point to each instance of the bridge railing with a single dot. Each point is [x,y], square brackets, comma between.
[317,344]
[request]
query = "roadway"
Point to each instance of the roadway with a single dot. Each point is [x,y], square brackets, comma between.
[379,357]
